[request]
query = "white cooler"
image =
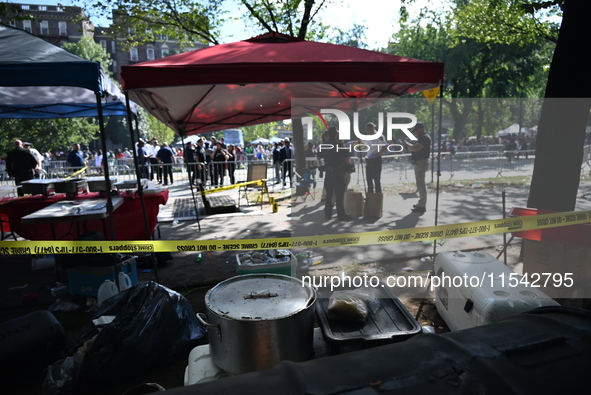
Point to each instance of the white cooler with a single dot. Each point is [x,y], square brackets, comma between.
[464,306]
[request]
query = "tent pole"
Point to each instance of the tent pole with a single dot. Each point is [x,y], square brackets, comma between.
[432,141]
[101,119]
[439,126]
[139,183]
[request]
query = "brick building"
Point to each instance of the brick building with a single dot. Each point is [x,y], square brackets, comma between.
[58,24]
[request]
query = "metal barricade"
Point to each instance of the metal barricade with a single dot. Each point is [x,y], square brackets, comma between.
[397,169]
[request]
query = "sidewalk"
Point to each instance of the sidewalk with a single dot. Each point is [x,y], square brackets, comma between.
[456,205]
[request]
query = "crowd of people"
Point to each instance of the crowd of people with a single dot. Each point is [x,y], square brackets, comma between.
[510,142]
[212,160]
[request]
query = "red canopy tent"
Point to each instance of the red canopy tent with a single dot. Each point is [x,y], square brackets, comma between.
[253,81]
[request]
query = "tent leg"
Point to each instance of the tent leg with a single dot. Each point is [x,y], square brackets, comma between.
[149,232]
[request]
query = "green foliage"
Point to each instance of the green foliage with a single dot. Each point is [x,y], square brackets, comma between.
[87,49]
[501,22]
[50,134]
[354,37]
[11,11]
[264,130]
[145,21]
[474,68]
[293,17]
[158,130]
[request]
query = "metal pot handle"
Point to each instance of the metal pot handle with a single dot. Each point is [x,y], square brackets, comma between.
[201,319]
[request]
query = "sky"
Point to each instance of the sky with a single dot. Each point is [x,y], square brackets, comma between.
[380,17]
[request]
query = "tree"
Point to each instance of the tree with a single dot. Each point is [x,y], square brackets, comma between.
[506,22]
[565,113]
[565,110]
[473,68]
[48,134]
[87,49]
[354,37]
[144,21]
[296,18]
[153,128]
[12,11]
[263,130]
[293,17]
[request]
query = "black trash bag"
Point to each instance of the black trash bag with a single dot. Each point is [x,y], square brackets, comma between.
[152,325]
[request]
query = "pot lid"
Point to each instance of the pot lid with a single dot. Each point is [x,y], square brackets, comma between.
[257,297]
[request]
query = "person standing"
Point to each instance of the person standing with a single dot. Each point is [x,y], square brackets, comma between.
[276,162]
[189,158]
[166,156]
[335,162]
[98,160]
[143,158]
[260,152]
[155,169]
[420,152]
[373,165]
[286,156]
[38,157]
[219,157]
[231,152]
[201,159]
[20,164]
[76,159]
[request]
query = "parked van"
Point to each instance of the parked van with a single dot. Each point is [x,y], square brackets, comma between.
[234,136]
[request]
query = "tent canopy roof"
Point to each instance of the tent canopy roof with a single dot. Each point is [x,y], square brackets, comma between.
[41,80]
[253,81]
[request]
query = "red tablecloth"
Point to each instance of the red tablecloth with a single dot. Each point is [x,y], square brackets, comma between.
[129,220]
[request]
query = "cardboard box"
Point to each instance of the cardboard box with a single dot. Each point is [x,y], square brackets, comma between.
[86,280]
[354,204]
[544,257]
[374,203]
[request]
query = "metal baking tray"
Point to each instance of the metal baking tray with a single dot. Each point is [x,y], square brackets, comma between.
[391,322]
[71,186]
[38,186]
[130,184]
[99,184]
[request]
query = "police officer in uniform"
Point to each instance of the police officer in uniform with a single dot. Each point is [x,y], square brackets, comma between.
[336,159]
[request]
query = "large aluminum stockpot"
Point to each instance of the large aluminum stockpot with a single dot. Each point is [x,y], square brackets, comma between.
[256,321]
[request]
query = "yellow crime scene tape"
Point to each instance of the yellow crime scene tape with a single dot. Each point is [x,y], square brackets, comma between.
[478,228]
[76,173]
[233,186]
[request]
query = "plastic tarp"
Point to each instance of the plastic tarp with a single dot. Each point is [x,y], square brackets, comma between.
[152,325]
[253,81]
[41,80]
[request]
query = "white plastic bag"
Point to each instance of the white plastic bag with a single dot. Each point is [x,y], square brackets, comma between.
[352,305]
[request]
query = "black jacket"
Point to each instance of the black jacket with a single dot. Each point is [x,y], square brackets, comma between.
[20,163]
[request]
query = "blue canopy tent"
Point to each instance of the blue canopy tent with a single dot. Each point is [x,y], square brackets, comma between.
[41,81]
